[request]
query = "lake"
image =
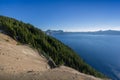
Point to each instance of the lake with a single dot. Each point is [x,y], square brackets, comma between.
[102,52]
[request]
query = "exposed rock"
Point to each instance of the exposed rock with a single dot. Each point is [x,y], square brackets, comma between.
[51,63]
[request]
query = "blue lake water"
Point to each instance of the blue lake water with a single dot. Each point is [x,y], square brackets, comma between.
[100,51]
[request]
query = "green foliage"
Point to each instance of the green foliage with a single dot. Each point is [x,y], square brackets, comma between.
[49,46]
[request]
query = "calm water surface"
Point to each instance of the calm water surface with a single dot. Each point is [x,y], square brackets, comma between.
[100,51]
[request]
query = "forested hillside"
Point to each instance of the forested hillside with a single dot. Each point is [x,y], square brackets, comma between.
[47,45]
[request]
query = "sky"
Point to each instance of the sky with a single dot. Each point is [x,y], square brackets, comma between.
[67,15]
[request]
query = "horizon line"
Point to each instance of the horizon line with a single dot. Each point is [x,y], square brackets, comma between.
[84,31]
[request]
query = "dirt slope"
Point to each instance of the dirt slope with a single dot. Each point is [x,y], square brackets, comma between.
[20,62]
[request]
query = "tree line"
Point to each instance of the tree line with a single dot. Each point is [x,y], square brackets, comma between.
[61,54]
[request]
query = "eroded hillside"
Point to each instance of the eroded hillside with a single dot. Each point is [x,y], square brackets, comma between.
[20,62]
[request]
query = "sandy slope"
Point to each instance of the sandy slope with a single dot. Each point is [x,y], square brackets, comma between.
[20,62]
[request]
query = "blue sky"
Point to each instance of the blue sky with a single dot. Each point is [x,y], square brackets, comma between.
[67,15]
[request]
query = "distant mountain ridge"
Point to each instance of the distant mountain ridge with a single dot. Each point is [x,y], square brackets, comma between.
[101,32]
[53,31]
[108,32]
[105,32]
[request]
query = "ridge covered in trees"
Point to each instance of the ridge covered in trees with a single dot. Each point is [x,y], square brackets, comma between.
[50,47]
